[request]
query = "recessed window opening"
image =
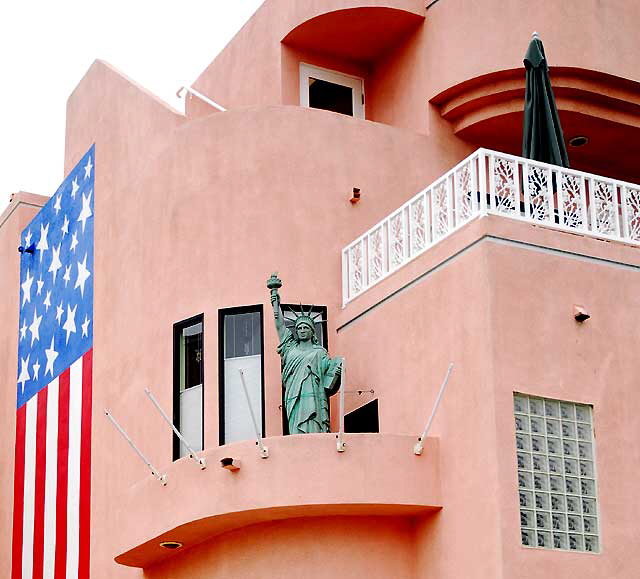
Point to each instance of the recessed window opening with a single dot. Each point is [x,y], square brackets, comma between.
[331,91]
[555,451]
[241,347]
[188,384]
[363,419]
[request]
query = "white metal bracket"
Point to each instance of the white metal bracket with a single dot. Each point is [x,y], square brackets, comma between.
[192,453]
[160,477]
[419,446]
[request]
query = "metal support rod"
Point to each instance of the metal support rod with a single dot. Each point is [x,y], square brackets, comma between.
[192,453]
[199,95]
[419,447]
[264,451]
[340,445]
[161,477]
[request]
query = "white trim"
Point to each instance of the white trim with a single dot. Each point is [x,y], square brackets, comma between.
[51,480]
[353,82]
[73,468]
[29,486]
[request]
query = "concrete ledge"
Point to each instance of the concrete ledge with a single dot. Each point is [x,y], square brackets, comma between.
[304,476]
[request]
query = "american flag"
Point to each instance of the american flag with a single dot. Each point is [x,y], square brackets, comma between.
[55,349]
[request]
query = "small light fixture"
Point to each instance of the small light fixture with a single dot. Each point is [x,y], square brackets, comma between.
[31,249]
[578,141]
[230,464]
[171,544]
[580,314]
[355,196]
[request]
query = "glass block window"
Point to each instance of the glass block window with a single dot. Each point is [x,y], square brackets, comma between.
[556,474]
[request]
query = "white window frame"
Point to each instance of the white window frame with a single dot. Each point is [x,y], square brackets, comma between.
[353,82]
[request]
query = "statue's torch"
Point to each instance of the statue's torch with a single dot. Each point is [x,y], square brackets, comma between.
[274,284]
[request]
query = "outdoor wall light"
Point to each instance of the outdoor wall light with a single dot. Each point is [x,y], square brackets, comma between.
[171,544]
[578,141]
[230,464]
[580,314]
[355,197]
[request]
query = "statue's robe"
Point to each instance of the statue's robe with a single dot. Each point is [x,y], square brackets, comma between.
[309,377]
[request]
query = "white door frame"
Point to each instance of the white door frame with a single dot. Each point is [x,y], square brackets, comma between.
[353,82]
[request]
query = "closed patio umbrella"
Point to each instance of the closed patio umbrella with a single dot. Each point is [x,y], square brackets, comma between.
[542,138]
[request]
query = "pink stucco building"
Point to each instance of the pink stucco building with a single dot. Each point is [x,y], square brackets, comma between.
[408,220]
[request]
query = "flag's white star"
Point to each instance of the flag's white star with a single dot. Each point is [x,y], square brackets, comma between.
[87,168]
[43,244]
[39,283]
[67,275]
[34,328]
[83,274]
[59,312]
[56,264]
[36,370]
[51,355]
[74,241]
[26,288]
[47,301]
[56,205]
[24,372]
[85,212]
[27,238]
[85,326]
[70,323]
[74,187]
[65,227]
[23,330]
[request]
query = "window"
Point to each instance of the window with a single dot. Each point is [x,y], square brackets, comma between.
[556,474]
[188,384]
[241,345]
[363,419]
[331,91]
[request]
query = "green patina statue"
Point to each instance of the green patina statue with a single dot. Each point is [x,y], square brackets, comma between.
[309,375]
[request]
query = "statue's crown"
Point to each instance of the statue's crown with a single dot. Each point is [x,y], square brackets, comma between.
[306,317]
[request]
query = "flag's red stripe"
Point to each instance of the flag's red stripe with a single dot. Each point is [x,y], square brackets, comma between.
[18,493]
[85,468]
[41,463]
[63,464]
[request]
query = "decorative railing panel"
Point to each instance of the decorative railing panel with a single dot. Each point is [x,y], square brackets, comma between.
[488,182]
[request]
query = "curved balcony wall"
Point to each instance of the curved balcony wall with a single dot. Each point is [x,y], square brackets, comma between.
[488,111]
[348,36]
[304,476]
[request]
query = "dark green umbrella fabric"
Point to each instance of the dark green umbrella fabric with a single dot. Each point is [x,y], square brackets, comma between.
[542,138]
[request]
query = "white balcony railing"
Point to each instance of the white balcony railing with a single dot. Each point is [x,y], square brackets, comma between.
[488,182]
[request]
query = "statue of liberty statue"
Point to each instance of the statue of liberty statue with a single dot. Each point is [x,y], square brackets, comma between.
[309,375]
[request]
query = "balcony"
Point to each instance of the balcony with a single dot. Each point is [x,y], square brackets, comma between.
[491,183]
[304,476]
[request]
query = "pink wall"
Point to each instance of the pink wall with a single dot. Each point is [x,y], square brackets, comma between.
[241,167]
[16,216]
[193,213]
[503,312]
[345,547]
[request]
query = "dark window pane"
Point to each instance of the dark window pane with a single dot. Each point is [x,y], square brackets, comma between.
[330,96]
[243,335]
[255,346]
[192,357]
[363,419]
[229,336]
